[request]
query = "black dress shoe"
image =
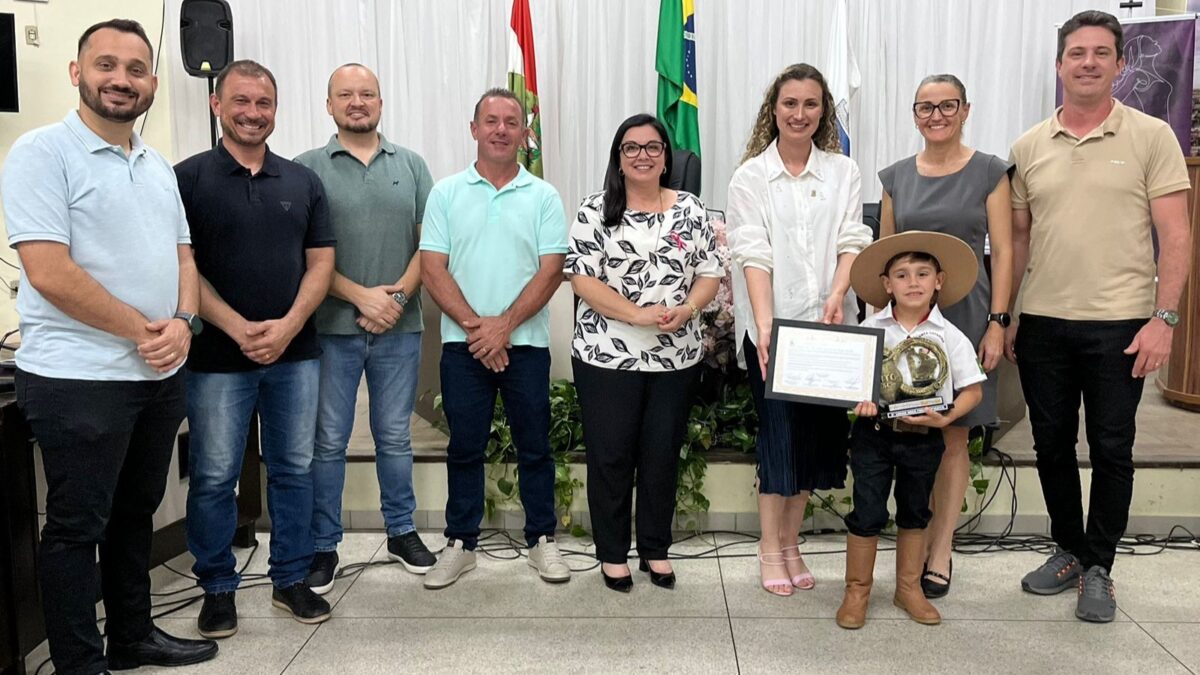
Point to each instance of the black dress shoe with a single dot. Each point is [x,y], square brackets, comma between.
[658,578]
[218,616]
[620,584]
[159,649]
[933,589]
[305,606]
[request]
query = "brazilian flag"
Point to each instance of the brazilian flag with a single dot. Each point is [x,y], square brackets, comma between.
[675,62]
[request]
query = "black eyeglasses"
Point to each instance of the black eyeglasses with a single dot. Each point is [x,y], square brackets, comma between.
[924,109]
[653,148]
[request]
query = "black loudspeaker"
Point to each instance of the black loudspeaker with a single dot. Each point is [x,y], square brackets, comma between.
[206,36]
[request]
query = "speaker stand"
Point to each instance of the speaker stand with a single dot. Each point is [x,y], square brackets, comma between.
[212,119]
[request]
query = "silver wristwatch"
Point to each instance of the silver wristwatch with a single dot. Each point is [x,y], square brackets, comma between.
[1169,317]
[400,297]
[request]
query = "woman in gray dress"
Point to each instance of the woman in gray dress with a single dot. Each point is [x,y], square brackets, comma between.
[952,188]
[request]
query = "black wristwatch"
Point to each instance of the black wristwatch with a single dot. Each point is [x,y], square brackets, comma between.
[194,323]
[1002,318]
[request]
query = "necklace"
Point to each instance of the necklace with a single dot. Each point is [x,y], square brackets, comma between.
[661,216]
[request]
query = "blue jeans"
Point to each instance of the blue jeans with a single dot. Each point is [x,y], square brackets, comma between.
[468,399]
[390,362]
[219,410]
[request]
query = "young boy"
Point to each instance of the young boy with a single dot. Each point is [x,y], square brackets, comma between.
[927,358]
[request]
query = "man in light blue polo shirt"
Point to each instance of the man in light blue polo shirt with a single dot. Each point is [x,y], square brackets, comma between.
[492,249]
[108,295]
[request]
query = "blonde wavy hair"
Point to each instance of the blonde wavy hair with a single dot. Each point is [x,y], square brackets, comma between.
[765,128]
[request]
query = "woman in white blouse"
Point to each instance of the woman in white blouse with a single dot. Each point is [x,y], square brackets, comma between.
[643,261]
[795,226]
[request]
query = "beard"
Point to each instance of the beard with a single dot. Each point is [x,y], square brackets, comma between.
[94,100]
[358,127]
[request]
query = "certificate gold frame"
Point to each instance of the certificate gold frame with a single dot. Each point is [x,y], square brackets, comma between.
[830,365]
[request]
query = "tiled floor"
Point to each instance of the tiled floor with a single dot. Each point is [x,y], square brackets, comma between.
[502,619]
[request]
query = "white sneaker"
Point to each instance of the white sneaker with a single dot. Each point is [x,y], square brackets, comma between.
[454,562]
[548,561]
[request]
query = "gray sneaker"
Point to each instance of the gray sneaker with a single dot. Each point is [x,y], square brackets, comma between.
[1097,596]
[1056,575]
[454,562]
[548,561]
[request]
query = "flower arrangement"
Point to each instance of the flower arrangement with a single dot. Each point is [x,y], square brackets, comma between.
[717,333]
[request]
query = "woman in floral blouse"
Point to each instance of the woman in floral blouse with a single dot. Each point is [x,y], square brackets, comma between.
[643,262]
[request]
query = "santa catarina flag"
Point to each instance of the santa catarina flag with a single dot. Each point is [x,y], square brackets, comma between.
[522,80]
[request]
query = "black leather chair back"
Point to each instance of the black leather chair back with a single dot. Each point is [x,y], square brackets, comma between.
[685,172]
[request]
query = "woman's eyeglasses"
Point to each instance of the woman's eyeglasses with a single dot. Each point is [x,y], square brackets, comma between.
[924,109]
[653,148]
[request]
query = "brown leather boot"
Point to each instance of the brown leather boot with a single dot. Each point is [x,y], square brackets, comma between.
[910,560]
[860,574]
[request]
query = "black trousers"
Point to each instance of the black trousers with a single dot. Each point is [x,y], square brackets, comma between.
[633,422]
[106,448]
[876,454]
[1060,362]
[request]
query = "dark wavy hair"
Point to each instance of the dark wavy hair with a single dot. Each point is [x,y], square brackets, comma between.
[614,180]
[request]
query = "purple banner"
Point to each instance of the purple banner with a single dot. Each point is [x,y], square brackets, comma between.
[1157,78]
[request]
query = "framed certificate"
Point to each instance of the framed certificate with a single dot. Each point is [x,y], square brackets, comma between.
[830,365]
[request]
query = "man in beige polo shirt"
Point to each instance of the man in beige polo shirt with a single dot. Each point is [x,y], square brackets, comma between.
[1090,182]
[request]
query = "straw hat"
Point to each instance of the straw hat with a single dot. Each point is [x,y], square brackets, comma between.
[953,254]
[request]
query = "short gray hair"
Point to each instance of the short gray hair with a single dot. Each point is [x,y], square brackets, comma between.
[499,92]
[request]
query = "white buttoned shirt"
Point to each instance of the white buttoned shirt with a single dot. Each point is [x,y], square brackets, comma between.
[965,369]
[793,227]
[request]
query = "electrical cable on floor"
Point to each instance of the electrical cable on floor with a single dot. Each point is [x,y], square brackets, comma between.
[175,605]
[500,544]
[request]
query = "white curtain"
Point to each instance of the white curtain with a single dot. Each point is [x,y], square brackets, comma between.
[596,67]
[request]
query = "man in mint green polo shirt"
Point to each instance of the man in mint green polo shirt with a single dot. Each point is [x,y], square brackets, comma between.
[492,252]
[371,320]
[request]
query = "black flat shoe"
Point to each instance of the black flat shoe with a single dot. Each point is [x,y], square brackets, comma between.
[620,584]
[933,589]
[159,649]
[305,606]
[657,578]
[218,616]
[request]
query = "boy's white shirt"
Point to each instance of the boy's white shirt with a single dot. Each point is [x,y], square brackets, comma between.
[965,368]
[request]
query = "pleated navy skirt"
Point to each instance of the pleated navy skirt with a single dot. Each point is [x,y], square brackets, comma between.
[800,446]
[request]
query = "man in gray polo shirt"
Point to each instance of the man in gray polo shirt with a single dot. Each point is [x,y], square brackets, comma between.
[371,320]
[107,302]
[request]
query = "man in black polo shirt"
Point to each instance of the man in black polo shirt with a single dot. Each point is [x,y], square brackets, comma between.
[264,250]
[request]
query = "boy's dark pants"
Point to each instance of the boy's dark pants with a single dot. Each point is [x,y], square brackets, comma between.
[877,452]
